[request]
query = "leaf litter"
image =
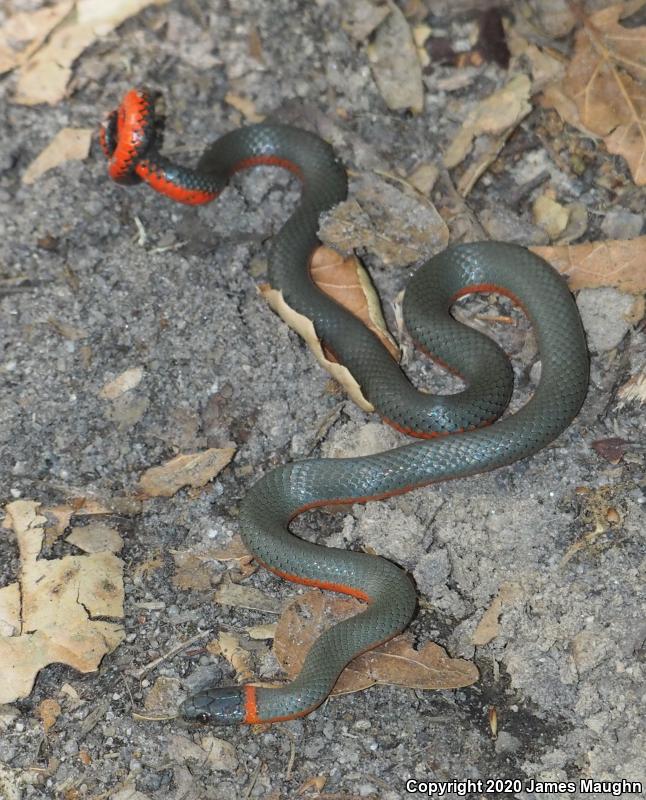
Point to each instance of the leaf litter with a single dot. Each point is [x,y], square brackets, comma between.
[51,614]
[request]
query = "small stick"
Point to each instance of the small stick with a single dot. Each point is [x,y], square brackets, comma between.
[520,192]
[139,673]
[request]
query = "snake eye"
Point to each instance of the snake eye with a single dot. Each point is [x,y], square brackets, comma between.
[203,717]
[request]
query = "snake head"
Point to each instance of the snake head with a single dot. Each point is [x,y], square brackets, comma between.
[222,705]
[128,133]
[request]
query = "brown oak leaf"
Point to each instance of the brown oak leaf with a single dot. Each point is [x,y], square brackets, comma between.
[603,89]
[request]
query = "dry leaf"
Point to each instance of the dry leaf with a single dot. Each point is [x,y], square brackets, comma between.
[399,664]
[497,114]
[234,552]
[49,711]
[239,596]
[395,63]
[59,518]
[633,391]
[60,601]
[577,223]
[615,262]
[45,74]
[194,568]
[603,91]
[162,695]
[303,620]
[23,33]
[228,645]
[317,783]
[96,538]
[191,571]
[245,106]
[546,65]
[262,632]
[304,327]
[424,178]
[69,144]
[347,282]
[190,469]
[389,218]
[613,449]
[218,754]
[488,627]
[123,383]
[395,662]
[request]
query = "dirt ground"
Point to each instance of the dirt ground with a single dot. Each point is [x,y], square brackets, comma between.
[96,280]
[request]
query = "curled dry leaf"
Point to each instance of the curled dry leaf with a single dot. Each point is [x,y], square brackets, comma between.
[395,63]
[190,469]
[396,662]
[615,262]
[304,327]
[347,282]
[51,614]
[604,89]
[124,382]
[69,144]
[497,114]
[546,66]
[228,646]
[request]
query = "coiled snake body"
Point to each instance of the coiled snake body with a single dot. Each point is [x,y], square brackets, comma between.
[128,138]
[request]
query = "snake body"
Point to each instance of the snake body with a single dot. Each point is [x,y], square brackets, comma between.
[287,491]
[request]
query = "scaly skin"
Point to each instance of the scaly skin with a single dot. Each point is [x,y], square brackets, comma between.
[287,491]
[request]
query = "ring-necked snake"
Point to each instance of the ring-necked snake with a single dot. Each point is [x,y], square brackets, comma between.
[130,137]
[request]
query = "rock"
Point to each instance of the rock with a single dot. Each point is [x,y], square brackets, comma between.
[604,312]
[622,224]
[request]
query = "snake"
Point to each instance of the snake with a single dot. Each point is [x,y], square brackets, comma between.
[455,434]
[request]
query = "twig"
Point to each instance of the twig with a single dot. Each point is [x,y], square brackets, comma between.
[253,781]
[292,755]
[526,188]
[139,673]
